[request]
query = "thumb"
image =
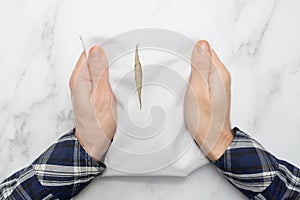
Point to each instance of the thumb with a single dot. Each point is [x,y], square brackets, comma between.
[80,84]
[98,64]
[201,60]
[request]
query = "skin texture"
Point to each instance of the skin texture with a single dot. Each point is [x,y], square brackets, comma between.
[207,103]
[93,103]
[138,76]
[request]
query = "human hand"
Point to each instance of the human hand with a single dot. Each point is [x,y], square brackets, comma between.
[207,102]
[93,103]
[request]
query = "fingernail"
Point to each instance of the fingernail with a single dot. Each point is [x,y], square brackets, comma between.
[203,47]
[95,51]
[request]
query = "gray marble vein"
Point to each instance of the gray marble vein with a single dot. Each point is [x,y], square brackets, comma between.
[257,40]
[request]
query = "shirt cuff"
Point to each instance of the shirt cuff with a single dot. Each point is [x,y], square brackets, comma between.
[247,165]
[65,168]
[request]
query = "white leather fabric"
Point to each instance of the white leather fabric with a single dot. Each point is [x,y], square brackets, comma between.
[153,141]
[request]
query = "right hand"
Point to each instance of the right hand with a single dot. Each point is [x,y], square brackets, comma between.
[207,103]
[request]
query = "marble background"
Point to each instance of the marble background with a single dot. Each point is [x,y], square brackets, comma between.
[258,40]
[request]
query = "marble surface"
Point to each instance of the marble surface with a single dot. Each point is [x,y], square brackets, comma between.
[257,40]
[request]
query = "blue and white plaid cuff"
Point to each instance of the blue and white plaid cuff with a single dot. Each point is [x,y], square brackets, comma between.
[61,172]
[255,171]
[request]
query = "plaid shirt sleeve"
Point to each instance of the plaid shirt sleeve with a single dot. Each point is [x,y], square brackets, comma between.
[256,172]
[61,172]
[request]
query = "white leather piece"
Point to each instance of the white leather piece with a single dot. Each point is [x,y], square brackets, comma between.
[153,141]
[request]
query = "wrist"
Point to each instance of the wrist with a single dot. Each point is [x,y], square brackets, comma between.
[95,151]
[221,145]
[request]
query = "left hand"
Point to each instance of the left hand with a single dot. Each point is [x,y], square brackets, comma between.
[93,103]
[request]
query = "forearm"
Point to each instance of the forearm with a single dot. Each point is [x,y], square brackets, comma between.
[61,172]
[256,172]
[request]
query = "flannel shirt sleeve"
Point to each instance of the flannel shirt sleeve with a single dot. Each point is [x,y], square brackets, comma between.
[61,172]
[256,172]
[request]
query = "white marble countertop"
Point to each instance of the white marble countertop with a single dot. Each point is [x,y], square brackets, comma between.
[257,40]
